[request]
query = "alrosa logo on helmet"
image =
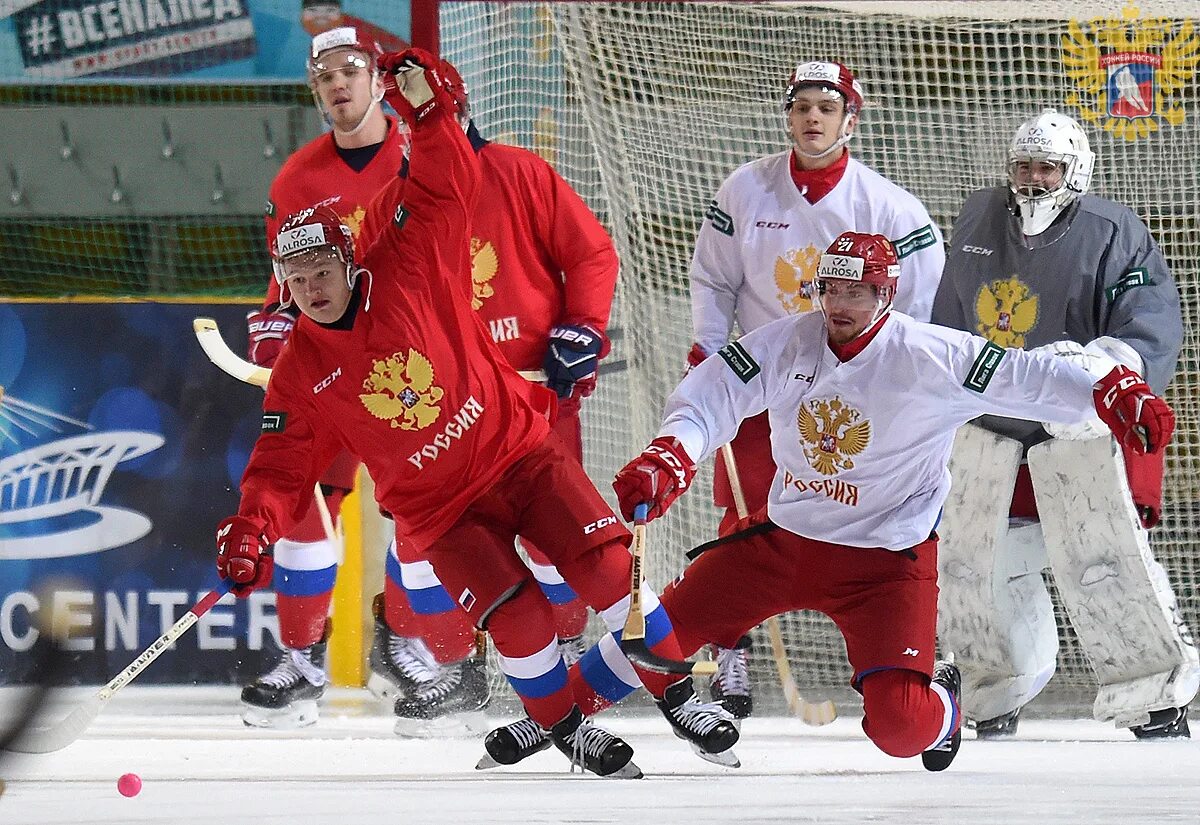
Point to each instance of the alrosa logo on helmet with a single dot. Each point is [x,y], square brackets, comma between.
[840,266]
[334,39]
[817,72]
[291,241]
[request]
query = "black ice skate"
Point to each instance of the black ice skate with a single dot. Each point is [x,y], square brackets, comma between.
[707,727]
[572,649]
[452,702]
[1003,726]
[731,685]
[939,757]
[509,744]
[593,748]
[397,663]
[1170,723]
[286,697]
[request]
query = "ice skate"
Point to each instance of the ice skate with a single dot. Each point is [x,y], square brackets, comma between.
[1003,726]
[731,686]
[286,697]
[939,757]
[1170,723]
[450,704]
[706,726]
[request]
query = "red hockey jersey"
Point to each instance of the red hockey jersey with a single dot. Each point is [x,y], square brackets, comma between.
[316,174]
[407,379]
[539,256]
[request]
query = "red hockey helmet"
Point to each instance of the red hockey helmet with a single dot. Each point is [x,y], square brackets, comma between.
[830,76]
[315,230]
[456,87]
[863,257]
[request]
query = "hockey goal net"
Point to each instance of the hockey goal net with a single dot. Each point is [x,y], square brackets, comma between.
[645,107]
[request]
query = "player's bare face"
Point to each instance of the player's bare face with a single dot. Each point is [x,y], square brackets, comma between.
[1035,178]
[849,308]
[344,87]
[317,281]
[815,123]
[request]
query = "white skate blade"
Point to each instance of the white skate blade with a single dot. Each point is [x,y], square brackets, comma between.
[383,688]
[300,714]
[451,726]
[628,771]
[486,763]
[727,759]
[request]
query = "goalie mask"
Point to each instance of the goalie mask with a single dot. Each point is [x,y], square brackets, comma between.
[342,48]
[306,237]
[835,79]
[1049,165]
[863,270]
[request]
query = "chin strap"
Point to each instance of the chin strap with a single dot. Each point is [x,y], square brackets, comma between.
[375,100]
[837,144]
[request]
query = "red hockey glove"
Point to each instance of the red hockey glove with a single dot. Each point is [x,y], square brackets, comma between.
[656,477]
[409,80]
[1137,417]
[242,555]
[269,331]
[695,357]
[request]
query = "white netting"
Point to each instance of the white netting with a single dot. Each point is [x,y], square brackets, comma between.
[647,107]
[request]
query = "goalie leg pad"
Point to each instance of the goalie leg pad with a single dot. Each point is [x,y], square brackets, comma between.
[994,612]
[1117,596]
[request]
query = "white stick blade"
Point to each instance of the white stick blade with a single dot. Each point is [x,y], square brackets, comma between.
[214,346]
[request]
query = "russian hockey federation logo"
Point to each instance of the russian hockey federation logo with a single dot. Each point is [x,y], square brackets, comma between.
[1005,310]
[831,432]
[795,277]
[400,389]
[1135,70]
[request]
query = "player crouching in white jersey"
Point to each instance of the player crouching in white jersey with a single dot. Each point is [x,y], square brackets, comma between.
[1037,261]
[863,404]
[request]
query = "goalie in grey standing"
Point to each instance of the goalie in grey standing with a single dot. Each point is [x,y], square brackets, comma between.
[1035,262]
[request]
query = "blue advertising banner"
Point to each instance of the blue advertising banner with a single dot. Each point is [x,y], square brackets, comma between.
[121,448]
[180,40]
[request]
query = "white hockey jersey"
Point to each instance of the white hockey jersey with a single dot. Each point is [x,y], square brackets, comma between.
[861,447]
[757,251]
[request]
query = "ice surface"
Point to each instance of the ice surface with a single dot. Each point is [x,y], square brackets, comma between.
[200,765]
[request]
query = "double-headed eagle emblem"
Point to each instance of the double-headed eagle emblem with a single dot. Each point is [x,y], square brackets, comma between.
[484,263]
[830,433]
[1006,310]
[795,278]
[400,389]
[1134,69]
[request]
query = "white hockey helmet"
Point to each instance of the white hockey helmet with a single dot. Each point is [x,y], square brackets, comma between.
[1048,139]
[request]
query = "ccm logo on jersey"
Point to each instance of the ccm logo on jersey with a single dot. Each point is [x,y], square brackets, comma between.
[333,376]
[771,225]
[599,525]
[977,250]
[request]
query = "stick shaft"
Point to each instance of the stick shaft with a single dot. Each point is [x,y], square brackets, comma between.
[57,737]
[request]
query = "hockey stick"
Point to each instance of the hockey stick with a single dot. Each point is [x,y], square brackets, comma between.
[57,737]
[633,637]
[813,713]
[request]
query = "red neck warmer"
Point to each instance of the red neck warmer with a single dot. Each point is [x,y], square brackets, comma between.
[815,184]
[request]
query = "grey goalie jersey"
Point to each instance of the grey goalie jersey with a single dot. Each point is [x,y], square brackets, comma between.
[1101,276]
